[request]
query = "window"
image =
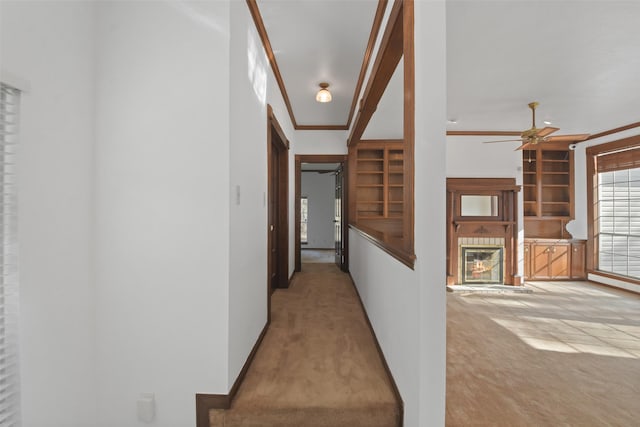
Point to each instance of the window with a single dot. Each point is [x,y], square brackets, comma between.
[619,222]
[304,210]
[9,413]
[613,183]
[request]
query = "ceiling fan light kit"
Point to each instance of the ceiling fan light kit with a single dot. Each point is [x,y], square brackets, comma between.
[535,136]
[323,94]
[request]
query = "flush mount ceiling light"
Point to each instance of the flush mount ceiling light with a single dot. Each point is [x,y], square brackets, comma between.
[323,94]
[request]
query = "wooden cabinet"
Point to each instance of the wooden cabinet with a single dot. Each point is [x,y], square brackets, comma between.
[554,259]
[578,259]
[550,261]
[379,181]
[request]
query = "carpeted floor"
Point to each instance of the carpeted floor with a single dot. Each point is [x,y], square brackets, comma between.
[315,256]
[567,354]
[317,365]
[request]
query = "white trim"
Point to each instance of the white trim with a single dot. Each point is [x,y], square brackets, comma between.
[613,282]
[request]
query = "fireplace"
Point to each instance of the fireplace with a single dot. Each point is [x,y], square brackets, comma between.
[482,264]
[482,220]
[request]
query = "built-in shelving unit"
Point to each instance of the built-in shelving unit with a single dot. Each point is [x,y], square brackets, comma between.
[547,178]
[556,183]
[380,199]
[530,182]
[547,181]
[379,181]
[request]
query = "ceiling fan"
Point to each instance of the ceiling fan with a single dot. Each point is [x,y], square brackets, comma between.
[535,136]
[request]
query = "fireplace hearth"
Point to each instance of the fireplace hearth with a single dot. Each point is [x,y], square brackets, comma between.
[482,264]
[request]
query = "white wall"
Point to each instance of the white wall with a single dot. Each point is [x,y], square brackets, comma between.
[248,169]
[408,308]
[387,121]
[469,157]
[162,207]
[321,141]
[430,206]
[50,46]
[320,191]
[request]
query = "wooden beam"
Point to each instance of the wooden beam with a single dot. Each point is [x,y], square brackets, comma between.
[266,43]
[259,23]
[409,124]
[615,130]
[375,29]
[389,54]
[482,133]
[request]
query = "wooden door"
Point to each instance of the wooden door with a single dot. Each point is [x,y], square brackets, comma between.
[337,220]
[527,261]
[278,213]
[559,260]
[540,261]
[274,179]
[578,260]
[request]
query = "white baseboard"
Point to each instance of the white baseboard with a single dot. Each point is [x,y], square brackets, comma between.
[614,282]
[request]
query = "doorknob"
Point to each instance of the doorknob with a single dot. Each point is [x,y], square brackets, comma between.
[271,227]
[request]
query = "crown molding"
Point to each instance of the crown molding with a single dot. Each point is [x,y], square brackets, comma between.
[264,37]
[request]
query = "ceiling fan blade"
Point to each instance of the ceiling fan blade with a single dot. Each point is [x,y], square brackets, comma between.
[546,131]
[568,138]
[502,140]
[523,146]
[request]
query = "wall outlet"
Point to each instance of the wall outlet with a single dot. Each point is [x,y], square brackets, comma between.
[146,407]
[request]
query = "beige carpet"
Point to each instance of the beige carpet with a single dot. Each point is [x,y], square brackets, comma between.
[318,364]
[315,256]
[567,354]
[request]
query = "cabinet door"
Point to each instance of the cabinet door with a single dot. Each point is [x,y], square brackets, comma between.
[578,260]
[527,261]
[559,260]
[540,261]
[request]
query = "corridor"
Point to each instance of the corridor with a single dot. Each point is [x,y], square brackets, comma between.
[318,364]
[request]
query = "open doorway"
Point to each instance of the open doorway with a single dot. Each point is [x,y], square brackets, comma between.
[320,231]
[278,211]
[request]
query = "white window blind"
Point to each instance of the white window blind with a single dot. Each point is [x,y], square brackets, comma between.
[619,221]
[9,395]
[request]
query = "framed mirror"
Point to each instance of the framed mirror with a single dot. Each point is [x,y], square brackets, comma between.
[478,205]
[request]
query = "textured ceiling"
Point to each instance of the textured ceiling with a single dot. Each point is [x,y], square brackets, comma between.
[579,59]
[318,41]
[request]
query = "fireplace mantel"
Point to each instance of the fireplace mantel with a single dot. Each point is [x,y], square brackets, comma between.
[493,223]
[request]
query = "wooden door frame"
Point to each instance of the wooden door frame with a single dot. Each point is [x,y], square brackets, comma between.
[321,158]
[282,143]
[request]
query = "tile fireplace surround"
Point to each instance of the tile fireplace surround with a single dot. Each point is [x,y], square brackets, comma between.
[470,243]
